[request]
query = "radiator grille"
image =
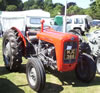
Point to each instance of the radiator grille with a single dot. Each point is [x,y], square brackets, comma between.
[70,52]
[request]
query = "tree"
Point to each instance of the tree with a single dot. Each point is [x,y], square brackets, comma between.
[26,6]
[34,7]
[17,3]
[11,8]
[30,2]
[33,4]
[3,5]
[98,9]
[48,2]
[70,4]
[95,9]
[56,10]
[92,10]
[73,10]
[88,12]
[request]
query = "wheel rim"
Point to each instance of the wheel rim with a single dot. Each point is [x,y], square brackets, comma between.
[7,51]
[98,65]
[32,76]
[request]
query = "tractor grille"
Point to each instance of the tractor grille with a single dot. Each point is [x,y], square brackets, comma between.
[70,52]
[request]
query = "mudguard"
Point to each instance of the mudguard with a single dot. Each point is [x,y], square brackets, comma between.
[23,38]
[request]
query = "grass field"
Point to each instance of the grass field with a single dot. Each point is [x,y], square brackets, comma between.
[56,82]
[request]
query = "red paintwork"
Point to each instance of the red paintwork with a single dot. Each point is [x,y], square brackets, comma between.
[58,39]
[21,35]
[42,22]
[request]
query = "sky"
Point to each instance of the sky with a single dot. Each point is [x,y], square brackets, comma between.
[80,3]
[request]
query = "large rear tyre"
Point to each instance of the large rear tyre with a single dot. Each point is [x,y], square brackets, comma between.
[12,50]
[35,74]
[76,32]
[98,64]
[86,68]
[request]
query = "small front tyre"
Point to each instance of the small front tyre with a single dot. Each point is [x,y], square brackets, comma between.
[98,64]
[35,74]
[86,68]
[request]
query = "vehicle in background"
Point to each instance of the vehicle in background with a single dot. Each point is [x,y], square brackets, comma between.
[80,23]
[58,24]
[24,20]
[12,19]
[33,18]
[95,23]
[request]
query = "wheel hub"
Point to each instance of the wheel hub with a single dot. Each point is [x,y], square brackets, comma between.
[32,76]
[7,51]
[98,65]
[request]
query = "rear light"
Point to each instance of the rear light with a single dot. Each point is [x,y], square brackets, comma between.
[70,52]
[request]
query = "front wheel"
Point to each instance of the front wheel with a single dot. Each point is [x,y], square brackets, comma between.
[35,74]
[98,64]
[86,68]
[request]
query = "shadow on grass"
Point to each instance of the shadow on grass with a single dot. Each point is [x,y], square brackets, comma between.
[7,86]
[22,68]
[52,88]
[66,78]
[69,78]
[4,71]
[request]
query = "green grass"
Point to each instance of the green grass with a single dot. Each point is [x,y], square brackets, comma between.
[94,28]
[56,82]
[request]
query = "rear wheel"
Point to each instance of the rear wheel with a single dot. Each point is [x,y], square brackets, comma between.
[86,68]
[78,31]
[75,32]
[35,74]
[12,50]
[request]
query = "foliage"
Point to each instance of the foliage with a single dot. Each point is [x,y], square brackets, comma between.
[3,5]
[11,8]
[48,2]
[94,9]
[56,10]
[7,4]
[26,5]
[48,5]
[73,10]
[98,9]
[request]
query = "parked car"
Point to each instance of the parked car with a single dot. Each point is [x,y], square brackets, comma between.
[95,23]
[80,23]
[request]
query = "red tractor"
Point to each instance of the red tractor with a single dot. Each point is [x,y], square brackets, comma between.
[46,47]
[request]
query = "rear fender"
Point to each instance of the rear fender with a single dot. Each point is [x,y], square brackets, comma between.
[23,38]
